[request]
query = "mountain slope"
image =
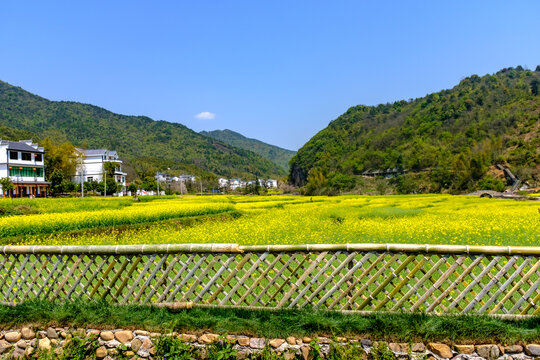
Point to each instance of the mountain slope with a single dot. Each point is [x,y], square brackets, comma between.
[452,135]
[140,139]
[273,153]
[8,133]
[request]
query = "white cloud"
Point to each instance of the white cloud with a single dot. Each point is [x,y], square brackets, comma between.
[205,115]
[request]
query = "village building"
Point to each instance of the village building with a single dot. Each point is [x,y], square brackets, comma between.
[253,182]
[23,162]
[234,184]
[91,166]
[271,184]
[223,183]
[186,178]
[163,177]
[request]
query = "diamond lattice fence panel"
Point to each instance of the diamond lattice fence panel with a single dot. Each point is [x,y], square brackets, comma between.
[494,280]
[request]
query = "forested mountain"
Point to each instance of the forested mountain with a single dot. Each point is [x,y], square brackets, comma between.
[273,153]
[448,140]
[8,133]
[139,139]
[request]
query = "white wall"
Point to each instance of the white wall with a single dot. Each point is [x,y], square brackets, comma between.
[4,169]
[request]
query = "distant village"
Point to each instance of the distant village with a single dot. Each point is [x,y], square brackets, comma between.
[22,174]
[234,184]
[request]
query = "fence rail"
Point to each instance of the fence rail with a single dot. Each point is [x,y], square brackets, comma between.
[347,277]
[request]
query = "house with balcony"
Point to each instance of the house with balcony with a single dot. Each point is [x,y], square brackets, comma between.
[91,166]
[23,162]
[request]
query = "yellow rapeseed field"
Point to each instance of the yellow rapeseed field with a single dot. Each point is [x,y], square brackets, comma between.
[434,219]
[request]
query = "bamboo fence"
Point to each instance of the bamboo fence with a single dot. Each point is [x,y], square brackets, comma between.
[346,277]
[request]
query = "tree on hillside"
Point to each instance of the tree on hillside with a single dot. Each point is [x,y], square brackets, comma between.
[149,183]
[535,87]
[57,182]
[7,186]
[257,187]
[112,187]
[60,157]
[110,168]
[317,181]
[132,187]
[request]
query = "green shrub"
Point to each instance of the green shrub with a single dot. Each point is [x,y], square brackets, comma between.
[380,351]
[345,352]
[77,348]
[266,354]
[315,350]
[171,348]
[24,210]
[80,348]
[488,182]
[222,350]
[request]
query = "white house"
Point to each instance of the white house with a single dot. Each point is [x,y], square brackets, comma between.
[252,182]
[22,161]
[186,178]
[236,183]
[223,183]
[163,177]
[271,183]
[91,166]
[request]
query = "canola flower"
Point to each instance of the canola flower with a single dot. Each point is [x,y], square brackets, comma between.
[139,213]
[431,219]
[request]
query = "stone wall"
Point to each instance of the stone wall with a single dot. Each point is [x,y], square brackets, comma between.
[21,343]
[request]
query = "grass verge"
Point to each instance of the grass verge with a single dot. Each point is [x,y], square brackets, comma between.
[271,324]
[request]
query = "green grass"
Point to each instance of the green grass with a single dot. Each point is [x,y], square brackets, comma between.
[64,205]
[50,205]
[270,324]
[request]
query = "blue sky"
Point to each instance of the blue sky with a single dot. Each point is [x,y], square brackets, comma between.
[278,71]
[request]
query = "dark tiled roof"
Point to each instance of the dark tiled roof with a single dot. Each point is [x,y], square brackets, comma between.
[93,152]
[20,146]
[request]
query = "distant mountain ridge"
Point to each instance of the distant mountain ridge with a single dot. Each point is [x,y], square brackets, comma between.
[273,153]
[447,140]
[139,139]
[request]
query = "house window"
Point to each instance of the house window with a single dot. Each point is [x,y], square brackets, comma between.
[90,179]
[39,157]
[13,155]
[26,156]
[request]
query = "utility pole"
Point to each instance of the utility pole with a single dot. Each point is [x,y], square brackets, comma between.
[105,183]
[157,182]
[201,185]
[82,178]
